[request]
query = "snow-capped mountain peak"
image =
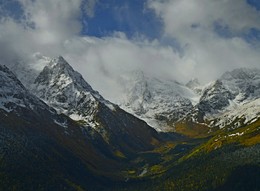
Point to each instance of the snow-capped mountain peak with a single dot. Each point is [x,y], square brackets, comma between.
[11,90]
[65,89]
[226,99]
[242,73]
[159,102]
[7,78]
[244,83]
[215,97]
[15,97]
[59,72]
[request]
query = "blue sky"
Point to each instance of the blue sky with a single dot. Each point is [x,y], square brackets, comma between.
[11,8]
[128,16]
[254,3]
[131,17]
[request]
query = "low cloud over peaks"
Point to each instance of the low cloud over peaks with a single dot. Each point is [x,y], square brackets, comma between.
[200,39]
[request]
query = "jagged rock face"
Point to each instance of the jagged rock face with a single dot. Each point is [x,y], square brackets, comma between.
[238,103]
[214,98]
[66,90]
[157,102]
[226,100]
[14,96]
[244,83]
[238,116]
[8,80]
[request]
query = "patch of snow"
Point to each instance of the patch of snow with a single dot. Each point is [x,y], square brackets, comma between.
[236,134]
[62,124]
[4,108]
[248,113]
[76,117]
[143,172]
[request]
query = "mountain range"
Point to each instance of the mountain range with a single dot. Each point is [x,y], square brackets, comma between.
[165,103]
[57,133]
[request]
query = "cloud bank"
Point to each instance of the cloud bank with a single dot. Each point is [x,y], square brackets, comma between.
[211,33]
[200,39]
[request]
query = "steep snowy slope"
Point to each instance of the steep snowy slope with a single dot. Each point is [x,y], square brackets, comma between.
[238,115]
[65,89]
[232,98]
[158,102]
[215,97]
[244,83]
[14,96]
[238,101]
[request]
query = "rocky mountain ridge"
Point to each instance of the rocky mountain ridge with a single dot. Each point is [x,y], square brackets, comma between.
[159,102]
[163,103]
